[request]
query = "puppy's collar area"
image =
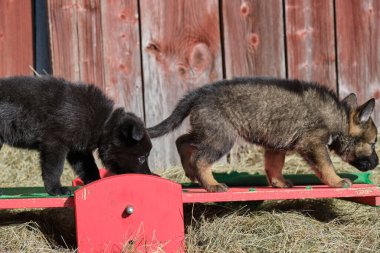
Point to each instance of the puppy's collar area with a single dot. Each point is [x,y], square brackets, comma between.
[106,122]
[110,116]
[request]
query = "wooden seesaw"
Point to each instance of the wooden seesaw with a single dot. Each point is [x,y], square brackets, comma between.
[145,213]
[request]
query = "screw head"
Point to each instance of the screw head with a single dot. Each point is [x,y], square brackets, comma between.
[129,210]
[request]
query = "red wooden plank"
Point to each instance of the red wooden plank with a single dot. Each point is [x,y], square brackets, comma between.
[310,41]
[122,63]
[370,200]
[358,40]
[36,203]
[253,38]
[156,224]
[16,37]
[181,50]
[269,193]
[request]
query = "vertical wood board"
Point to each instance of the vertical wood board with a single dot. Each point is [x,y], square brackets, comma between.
[358,41]
[16,37]
[181,50]
[98,42]
[251,49]
[90,42]
[122,63]
[64,39]
[253,38]
[310,41]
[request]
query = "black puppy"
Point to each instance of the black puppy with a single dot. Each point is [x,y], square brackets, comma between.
[67,120]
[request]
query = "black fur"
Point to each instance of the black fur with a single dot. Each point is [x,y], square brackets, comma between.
[63,120]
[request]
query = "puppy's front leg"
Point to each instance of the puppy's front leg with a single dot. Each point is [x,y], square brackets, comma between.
[52,158]
[84,165]
[318,158]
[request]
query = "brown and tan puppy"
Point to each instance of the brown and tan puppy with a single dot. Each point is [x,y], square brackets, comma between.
[280,115]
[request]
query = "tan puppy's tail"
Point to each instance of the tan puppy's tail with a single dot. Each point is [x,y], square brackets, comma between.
[181,111]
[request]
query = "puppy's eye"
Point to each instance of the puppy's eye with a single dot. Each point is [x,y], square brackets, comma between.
[142,159]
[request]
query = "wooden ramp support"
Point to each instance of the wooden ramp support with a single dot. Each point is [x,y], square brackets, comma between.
[145,213]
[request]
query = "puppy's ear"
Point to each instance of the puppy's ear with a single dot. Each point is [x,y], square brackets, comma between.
[132,130]
[137,132]
[364,112]
[351,101]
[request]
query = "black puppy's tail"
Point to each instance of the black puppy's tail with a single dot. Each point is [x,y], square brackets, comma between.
[181,111]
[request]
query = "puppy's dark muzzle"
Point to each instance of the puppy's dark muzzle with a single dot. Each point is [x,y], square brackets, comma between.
[366,163]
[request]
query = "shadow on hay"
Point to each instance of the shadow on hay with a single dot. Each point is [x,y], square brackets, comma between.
[57,224]
[323,210]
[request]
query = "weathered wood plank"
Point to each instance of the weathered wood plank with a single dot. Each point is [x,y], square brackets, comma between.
[251,49]
[122,63]
[90,42]
[64,39]
[181,50]
[310,41]
[16,37]
[98,42]
[358,41]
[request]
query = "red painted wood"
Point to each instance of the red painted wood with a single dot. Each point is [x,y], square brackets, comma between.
[16,37]
[64,39]
[269,193]
[250,47]
[98,42]
[90,44]
[358,40]
[370,200]
[76,40]
[181,50]
[157,221]
[121,49]
[36,203]
[310,41]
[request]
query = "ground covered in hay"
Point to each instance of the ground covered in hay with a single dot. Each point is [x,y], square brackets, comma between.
[272,226]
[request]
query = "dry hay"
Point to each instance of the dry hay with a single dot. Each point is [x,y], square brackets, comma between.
[271,226]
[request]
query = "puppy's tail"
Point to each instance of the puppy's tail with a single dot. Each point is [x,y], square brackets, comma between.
[181,111]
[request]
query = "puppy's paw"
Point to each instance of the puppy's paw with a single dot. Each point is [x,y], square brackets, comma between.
[344,183]
[217,188]
[59,191]
[284,183]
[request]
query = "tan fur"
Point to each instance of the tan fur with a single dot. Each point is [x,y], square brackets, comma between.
[274,163]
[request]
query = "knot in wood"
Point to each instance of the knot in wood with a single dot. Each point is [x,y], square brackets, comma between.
[245,9]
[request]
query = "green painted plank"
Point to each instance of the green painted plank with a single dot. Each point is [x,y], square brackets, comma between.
[245,179]
[30,192]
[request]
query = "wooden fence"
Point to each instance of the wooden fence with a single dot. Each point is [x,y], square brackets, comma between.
[146,54]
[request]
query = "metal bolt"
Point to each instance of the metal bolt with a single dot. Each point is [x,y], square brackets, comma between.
[129,210]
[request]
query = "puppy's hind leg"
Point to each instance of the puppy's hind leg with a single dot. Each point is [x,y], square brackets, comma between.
[274,163]
[202,160]
[185,149]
